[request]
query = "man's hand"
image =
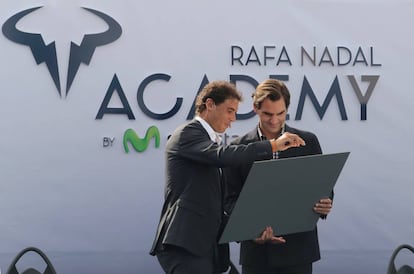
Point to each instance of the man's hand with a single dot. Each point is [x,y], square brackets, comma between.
[269,236]
[285,141]
[323,207]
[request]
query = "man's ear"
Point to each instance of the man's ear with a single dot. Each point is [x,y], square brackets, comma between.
[255,109]
[210,105]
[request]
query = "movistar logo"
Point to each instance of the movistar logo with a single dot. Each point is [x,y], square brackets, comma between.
[47,53]
[141,144]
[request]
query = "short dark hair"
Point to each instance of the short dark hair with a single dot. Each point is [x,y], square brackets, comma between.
[218,91]
[272,89]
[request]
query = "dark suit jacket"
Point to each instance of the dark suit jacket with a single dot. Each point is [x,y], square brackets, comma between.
[192,211]
[299,247]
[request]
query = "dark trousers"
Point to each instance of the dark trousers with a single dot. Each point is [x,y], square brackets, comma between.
[296,269]
[177,260]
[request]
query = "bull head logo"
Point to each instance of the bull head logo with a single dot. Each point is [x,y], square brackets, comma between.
[47,53]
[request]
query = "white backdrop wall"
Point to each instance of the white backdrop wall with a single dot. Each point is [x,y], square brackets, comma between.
[69,191]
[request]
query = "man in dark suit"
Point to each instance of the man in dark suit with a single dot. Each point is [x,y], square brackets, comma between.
[186,238]
[264,255]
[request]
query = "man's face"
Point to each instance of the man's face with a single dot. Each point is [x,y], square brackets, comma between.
[221,116]
[272,117]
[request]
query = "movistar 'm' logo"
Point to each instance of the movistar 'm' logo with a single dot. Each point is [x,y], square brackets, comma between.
[139,144]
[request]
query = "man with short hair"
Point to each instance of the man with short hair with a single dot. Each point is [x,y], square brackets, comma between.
[191,217]
[264,255]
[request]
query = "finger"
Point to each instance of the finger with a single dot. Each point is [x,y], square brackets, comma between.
[296,139]
[264,235]
[299,141]
[262,238]
[272,234]
[271,231]
[268,233]
[259,241]
[325,201]
[322,206]
[278,240]
[322,210]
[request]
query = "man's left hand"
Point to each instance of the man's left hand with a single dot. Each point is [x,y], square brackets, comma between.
[323,207]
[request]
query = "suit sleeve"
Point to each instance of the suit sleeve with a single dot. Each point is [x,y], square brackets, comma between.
[194,145]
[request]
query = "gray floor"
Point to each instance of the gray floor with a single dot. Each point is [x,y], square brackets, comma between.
[338,262]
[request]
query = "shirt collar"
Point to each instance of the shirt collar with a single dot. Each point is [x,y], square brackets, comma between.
[262,137]
[211,133]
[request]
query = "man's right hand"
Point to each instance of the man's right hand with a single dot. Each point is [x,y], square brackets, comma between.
[285,141]
[269,237]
